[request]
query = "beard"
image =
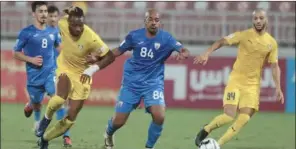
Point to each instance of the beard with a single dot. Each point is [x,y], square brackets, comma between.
[261,29]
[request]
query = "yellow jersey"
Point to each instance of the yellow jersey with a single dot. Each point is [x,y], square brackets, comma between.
[253,50]
[72,56]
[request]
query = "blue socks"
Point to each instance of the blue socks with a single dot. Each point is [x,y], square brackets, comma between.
[154,133]
[110,129]
[60,115]
[37,115]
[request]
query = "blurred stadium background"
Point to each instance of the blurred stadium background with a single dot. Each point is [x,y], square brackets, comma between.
[193,93]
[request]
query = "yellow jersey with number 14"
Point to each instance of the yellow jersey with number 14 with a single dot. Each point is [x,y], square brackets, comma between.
[73,53]
[253,50]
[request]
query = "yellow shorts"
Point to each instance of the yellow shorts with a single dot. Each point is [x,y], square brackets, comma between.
[78,90]
[242,96]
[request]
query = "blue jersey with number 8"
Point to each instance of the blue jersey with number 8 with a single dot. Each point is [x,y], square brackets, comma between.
[146,66]
[34,42]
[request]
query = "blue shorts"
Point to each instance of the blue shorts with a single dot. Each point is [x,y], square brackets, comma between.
[36,93]
[129,99]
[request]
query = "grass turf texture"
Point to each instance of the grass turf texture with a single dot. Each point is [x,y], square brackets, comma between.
[264,131]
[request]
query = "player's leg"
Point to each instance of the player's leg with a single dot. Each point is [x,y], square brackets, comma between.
[60,114]
[36,94]
[248,105]
[56,102]
[127,102]
[79,93]
[155,105]
[66,123]
[230,102]
[28,109]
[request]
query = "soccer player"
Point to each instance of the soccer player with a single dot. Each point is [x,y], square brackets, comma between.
[35,46]
[256,46]
[53,18]
[74,75]
[143,76]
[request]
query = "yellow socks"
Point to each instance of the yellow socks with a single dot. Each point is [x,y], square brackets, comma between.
[242,119]
[54,104]
[218,122]
[58,129]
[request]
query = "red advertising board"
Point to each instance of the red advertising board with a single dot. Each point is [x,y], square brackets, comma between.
[186,85]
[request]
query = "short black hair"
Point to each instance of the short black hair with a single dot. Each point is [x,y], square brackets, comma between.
[53,9]
[74,11]
[37,3]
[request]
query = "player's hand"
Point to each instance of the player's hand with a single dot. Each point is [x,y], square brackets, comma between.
[85,78]
[280,96]
[201,59]
[184,54]
[38,60]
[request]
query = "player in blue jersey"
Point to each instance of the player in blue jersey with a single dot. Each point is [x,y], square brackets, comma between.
[35,46]
[53,18]
[143,76]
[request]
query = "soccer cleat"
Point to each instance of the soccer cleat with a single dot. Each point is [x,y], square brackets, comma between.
[109,141]
[200,136]
[67,141]
[28,110]
[42,127]
[43,144]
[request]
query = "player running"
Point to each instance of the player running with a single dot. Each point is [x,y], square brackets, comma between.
[243,88]
[35,46]
[53,18]
[143,76]
[74,75]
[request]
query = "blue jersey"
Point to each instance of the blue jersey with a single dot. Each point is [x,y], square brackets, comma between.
[34,42]
[56,52]
[146,66]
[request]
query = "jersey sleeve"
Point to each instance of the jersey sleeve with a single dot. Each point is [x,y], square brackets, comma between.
[126,44]
[174,44]
[98,44]
[273,55]
[20,41]
[58,39]
[234,38]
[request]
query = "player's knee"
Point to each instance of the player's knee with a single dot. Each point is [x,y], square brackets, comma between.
[248,111]
[230,110]
[36,106]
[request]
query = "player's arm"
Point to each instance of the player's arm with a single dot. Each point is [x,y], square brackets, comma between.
[183,53]
[276,71]
[18,50]
[58,41]
[125,45]
[231,39]
[105,56]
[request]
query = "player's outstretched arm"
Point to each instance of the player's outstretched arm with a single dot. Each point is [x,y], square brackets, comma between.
[117,52]
[228,40]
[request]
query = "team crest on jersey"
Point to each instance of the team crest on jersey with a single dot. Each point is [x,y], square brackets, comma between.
[269,47]
[156,45]
[80,47]
[51,36]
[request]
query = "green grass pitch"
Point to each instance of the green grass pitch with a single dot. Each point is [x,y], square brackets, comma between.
[264,131]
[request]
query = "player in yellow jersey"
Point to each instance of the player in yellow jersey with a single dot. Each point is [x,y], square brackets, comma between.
[73,73]
[241,95]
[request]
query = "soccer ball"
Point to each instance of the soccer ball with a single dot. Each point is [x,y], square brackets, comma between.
[209,143]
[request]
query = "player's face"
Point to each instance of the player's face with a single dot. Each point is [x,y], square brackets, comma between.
[76,26]
[53,18]
[152,23]
[41,14]
[259,21]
